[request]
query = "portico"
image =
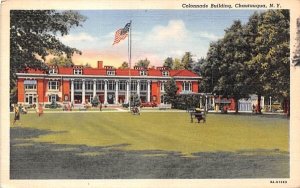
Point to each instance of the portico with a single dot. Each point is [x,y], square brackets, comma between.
[113,91]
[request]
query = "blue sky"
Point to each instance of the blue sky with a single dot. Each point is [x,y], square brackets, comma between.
[156,34]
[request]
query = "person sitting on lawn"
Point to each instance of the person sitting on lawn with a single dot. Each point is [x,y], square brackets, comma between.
[24,110]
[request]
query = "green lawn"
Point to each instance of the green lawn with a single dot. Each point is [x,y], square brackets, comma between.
[163,131]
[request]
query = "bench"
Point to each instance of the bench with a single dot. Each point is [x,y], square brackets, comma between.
[164,106]
[199,116]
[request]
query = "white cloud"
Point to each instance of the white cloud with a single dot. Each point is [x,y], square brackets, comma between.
[80,37]
[175,30]
[209,36]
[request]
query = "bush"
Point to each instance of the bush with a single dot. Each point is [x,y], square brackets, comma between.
[95,102]
[53,105]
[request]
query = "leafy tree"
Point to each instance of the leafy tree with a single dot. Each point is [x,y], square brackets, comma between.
[209,70]
[124,65]
[168,63]
[177,65]
[171,90]
[270,54]
[234,48]
[61,61]
[33,38]
[187,61]
[143,63]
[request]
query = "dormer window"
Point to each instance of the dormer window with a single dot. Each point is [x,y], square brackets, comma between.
[165,73]
[110,72]
[53,71]
[143,73]
[77,71]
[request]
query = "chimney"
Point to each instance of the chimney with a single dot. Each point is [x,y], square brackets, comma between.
[100,64]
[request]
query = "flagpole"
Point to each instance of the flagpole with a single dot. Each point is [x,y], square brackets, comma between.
[129,59]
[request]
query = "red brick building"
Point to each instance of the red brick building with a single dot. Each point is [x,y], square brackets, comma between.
[78,84]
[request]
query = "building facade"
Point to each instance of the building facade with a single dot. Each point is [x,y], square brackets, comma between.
[112,86]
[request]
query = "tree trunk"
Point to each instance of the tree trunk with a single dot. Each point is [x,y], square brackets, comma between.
[258,103]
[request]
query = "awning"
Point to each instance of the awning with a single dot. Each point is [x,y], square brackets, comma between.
[30,82]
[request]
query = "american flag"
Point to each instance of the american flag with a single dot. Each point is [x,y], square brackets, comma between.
[121,34]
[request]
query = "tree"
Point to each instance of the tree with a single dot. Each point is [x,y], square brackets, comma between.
[143,63]
[187,61]
[235,50]
[270,54]
[33,38]
[177,65]
[124,65]
[168,63]
[209,70]
[171,90]
[61,61]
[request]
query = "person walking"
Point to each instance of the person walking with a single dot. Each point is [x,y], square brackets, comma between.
[17,114]
[100,106]
[40,110]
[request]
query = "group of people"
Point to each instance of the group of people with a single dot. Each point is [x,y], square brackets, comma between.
[20,109]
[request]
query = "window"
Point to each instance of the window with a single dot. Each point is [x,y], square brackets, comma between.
[122,85]
[77,85]
[187,86]
[100,85]
[89,85]
[143,73]
[77,71]
[30,98]
[53,85]
[110,72]
[53,71]
[143,86]
[30,86]
[162,86]
[165,73]
[133,86]
[111,85]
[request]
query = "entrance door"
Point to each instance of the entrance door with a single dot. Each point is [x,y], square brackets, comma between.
[30,99]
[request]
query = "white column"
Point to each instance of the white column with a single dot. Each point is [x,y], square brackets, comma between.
[72,90]
[213,102]
[94,88]
[105,91]
[117,92]
[127,92]
[148,90]
[138,90]
[83,91]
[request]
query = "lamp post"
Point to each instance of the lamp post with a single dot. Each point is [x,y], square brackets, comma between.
[200,101]
[206,103]
[270,104]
